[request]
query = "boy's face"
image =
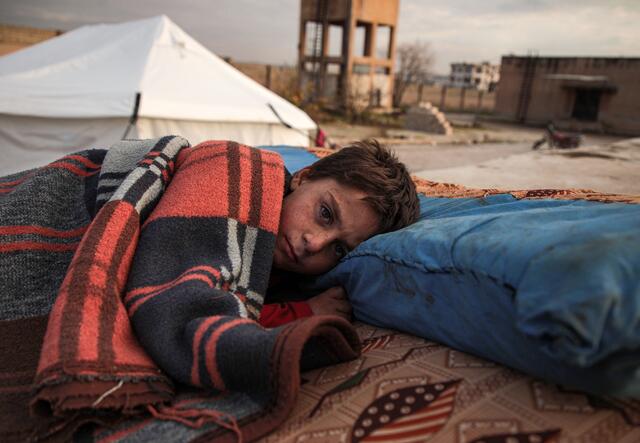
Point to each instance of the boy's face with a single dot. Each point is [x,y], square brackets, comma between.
[321,221]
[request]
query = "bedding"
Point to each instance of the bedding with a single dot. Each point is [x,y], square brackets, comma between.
[547,287]
[438,388]
[405,388]
[175,243]
[544,281]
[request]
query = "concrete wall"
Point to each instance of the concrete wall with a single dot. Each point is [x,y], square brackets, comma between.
[553,93]
[451,100]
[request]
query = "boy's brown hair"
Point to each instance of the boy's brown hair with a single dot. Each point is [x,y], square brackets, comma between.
[370,167]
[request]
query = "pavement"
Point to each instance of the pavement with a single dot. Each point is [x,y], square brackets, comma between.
[499,155]
[436,157]
[612,168]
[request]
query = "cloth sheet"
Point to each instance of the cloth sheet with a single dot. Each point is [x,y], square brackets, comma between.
[405,388]
[174,243]
[436,393]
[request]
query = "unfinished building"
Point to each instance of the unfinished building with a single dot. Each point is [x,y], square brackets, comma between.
[346,51]
[576,93]
[481,76]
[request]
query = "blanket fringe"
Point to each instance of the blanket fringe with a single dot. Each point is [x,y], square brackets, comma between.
[107,393]
[196,418]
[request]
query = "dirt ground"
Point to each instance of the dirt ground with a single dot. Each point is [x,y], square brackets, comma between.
[499,155]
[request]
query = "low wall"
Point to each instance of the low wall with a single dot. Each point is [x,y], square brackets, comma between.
[450,99]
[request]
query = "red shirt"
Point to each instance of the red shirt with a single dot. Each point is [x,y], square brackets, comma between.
[276,314]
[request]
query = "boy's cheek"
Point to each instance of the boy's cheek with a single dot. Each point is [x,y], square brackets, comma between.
[278,258]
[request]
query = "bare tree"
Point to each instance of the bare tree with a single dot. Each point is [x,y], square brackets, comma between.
[414,65]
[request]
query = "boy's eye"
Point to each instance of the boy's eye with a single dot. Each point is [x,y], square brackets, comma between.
[341,251]
[325,213]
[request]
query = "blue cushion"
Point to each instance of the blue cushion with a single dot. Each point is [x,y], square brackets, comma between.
[550,287]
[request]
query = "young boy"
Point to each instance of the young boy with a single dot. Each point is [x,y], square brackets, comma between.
[332,206]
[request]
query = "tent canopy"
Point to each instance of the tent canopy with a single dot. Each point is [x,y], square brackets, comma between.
[96,71]
[90,77]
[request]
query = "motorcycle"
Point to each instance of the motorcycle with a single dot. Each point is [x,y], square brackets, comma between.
[557,139]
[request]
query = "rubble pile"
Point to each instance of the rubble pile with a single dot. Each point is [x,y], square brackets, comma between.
[427,118]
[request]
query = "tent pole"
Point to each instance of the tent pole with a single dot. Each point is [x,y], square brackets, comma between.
[134,117]
[287,125]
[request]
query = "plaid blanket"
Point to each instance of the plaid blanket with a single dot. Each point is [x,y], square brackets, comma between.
[132,280]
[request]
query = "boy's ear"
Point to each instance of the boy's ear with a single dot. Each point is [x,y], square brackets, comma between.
[299,177]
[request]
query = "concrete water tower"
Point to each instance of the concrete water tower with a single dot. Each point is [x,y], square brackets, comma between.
[346,51]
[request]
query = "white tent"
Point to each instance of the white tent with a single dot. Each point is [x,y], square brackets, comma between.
[79,90]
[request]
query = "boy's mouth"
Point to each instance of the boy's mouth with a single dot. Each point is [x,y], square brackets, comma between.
[290,251]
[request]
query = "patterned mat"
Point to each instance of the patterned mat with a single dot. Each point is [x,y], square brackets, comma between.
[449,190]
[407,389]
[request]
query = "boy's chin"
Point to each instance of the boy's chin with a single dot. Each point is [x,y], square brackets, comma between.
[280,262]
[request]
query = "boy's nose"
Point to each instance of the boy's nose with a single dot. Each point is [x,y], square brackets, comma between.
[316,241]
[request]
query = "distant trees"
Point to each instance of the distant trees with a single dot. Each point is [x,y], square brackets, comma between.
[415,61]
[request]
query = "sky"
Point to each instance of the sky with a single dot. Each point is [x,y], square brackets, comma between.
[266,31]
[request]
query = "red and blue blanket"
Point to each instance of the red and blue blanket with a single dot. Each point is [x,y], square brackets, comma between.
[132,280]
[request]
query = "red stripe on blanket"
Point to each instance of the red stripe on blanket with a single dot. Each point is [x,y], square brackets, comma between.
[207,280]
[71,168]
[41,230]
[189,274]
[85,161]
[85,346]
[215,179]
[124,340]
[211,348]
[37,246]
[148,289]
[126,348]
[15,182]
[115,285]
[72,287]
[94,339]
[78,294]
[195,350]
[196,171]
[125,345]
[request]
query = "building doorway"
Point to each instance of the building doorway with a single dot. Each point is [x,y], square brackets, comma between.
[586,104]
